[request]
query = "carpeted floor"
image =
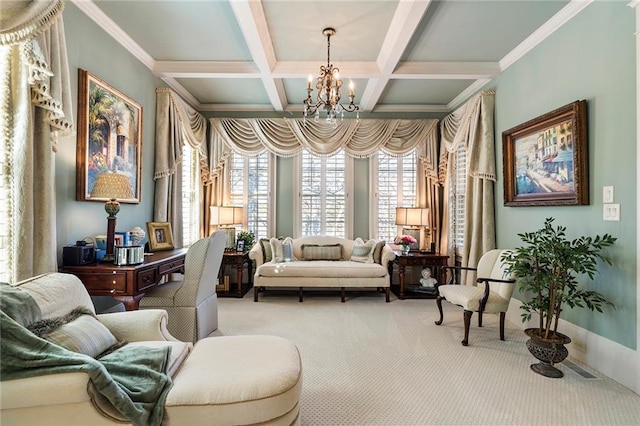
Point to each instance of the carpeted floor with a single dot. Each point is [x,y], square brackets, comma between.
[370,362]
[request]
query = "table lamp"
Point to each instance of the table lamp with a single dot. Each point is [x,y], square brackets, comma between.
[411,219]
[112,186]
[225,217]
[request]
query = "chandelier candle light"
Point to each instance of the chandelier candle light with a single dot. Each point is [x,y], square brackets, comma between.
[329,85]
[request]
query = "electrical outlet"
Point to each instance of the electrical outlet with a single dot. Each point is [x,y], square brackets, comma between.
[611,212]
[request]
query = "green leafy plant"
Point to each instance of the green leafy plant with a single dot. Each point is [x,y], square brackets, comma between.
[248,237]
[547,266]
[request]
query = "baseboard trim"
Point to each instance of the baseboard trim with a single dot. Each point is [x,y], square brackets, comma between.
[599,353]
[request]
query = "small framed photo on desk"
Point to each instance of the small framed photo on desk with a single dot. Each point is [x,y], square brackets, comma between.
[240,246]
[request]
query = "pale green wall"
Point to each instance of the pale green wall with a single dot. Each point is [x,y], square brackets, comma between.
[91,49]
[591,57]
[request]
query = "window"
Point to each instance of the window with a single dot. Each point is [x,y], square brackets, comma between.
[394,181]
[250,183]
[458,197]
[190,195]
[323,194]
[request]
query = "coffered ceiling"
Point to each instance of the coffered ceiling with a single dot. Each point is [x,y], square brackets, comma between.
[255,56]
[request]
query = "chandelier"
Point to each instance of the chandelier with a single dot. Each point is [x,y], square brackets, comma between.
[328,85]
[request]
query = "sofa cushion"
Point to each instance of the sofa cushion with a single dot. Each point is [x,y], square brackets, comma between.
[377,251]
[321,251]
[266,249]
[179,352]
[277,254]
[323,268]
[363,252]
[78,331]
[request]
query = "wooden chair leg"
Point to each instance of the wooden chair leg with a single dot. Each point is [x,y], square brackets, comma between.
[300,294]
[439,303]
[342,294]
[467,323]
[388,294]
[502,316]
[480,319]
[255,294]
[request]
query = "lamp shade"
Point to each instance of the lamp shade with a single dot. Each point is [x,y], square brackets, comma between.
[226,215]
[112,185]
[412,216]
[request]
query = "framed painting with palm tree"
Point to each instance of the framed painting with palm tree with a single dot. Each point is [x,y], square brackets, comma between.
[109,137]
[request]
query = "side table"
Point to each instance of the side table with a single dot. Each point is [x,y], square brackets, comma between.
[236,260]
[405,290]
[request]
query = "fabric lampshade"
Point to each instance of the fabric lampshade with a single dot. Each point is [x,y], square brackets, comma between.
[112,185]
[412,216]
[226,215]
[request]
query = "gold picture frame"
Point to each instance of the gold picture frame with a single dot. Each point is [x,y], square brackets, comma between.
[160,236]
[109,137]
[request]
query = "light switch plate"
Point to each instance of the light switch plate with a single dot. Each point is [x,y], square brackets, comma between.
[607,194]
[611,212]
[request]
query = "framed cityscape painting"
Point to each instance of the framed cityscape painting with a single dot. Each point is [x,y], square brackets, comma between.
[545,160]
[109,137]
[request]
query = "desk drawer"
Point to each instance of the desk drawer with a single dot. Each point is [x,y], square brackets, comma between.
[173,266]
[107,283]
[146,279]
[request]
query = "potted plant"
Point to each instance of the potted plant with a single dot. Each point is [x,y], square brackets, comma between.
[546,267]
[248,237]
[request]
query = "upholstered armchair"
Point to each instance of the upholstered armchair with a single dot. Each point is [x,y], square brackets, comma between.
[491,292]
[192,303]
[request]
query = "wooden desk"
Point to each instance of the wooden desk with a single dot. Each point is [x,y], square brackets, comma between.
[237,260]
[435,261]
[129,283]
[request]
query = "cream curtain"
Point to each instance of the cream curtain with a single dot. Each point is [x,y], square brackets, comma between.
[35,98]
[471,125]
[359,138]
[177,123]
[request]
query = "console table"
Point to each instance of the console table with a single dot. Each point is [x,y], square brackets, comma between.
[237,260]
[404,290]
[129,283]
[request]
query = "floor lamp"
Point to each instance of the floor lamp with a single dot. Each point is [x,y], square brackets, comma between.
[412,219]
[112,186]
[225,217]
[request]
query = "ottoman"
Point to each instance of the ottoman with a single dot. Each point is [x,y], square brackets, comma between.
[232,380]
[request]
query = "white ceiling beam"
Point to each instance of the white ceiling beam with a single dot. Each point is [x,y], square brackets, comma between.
[354,69]
[446,70]
[253,24]
[203,69]
[184,93]
[405,20]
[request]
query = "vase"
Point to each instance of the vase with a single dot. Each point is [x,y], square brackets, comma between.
[547,351]
[405,249]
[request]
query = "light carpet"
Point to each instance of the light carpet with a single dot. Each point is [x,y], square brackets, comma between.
[370,362]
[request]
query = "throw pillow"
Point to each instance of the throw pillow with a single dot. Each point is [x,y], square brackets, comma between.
[287,250]
[377,252]
[363,252]
[78,331]
[322,252]
[266,250]
[277,255]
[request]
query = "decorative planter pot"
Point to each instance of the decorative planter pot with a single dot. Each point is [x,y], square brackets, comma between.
[548,351]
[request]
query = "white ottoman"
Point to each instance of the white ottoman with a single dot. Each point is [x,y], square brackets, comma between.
[234,380]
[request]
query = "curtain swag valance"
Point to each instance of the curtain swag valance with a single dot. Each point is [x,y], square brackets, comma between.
[178,123]
[472,125]
[358,138]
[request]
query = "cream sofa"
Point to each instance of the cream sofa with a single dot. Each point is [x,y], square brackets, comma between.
[219,380]
[306,274]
